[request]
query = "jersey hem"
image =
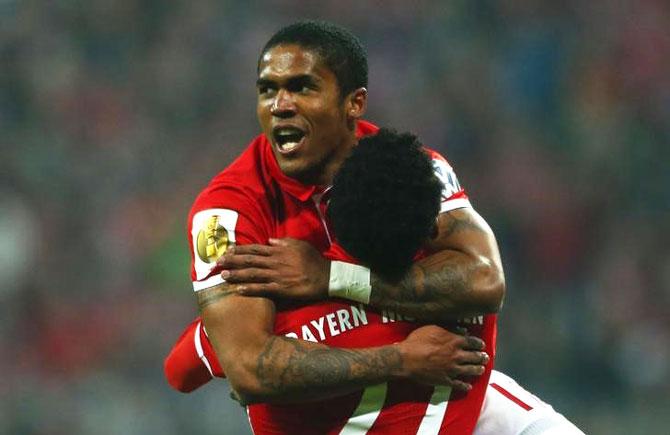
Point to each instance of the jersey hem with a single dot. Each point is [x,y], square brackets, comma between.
[454,204]
[212,281]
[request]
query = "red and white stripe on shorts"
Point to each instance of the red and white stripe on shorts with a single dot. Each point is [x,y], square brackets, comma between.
[511,410]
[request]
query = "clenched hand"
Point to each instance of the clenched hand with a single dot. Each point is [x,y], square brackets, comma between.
[436,356]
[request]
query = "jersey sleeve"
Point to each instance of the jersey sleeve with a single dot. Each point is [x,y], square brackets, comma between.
[219,220]
[192,361]
[453,195]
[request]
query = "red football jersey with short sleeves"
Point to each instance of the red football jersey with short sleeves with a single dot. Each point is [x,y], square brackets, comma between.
[252,201]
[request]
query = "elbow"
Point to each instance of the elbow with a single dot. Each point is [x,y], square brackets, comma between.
[495,298]
[244,381]
[246,389]
[494,290]
[489,288]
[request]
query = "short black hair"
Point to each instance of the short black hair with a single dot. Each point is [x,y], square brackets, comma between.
[340,50]
[384,202]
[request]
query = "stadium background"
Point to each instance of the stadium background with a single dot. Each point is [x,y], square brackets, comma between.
[113,114]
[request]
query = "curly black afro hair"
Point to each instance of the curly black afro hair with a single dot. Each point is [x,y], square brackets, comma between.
[384,202]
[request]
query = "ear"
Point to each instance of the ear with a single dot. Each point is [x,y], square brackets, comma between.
[357,103]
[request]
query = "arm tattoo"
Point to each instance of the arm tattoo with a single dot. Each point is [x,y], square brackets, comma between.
[435,286]
[457,224]
[211,295]
[424,294]
[300,366]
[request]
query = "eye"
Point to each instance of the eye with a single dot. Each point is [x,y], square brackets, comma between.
[301,87]
[265,90]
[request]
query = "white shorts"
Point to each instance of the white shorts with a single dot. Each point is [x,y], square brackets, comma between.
[509,409]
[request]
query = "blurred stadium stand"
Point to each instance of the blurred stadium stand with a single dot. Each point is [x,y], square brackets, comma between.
[113,114]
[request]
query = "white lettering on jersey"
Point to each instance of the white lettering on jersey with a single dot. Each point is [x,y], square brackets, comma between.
[331,324]
[212,233]
[477,320]
[447,176]
[318,324]
[389,316]
[343,318]
[360,317]
[307,334]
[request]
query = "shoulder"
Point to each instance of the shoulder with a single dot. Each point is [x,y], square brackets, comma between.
[240,185]
[436,157]
[453,194]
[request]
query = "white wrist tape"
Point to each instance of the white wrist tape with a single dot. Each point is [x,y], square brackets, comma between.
[349,281]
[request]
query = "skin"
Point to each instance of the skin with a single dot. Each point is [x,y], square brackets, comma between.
[295,88]
[462,277]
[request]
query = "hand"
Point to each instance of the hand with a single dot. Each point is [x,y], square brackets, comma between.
[435,356]
[286,268]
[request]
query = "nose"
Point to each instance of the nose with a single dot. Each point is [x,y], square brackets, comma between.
[283,105]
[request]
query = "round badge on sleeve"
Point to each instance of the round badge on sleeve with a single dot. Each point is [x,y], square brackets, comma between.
[212,234]
[212,241]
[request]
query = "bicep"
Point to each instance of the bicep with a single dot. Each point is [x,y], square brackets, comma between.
[464,230]
[237,326]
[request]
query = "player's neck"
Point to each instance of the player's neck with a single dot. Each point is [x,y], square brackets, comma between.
[325,173]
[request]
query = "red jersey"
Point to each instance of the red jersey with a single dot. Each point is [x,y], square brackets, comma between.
[252,201]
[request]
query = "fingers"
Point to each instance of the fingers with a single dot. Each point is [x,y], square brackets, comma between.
[266,289]
[253,249]
[461,330]
[460,385]
[470,364]
[474,358]
[473,343]
[240,261]
[469,370]
[247,275]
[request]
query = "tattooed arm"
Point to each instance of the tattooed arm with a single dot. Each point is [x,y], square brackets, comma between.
[462,277]
[263,367]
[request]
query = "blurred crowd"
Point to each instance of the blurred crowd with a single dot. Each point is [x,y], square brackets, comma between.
[113,114]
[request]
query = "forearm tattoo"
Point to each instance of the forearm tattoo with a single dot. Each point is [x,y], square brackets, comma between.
[211,295]
[425,293]
[288,364]
[434,286]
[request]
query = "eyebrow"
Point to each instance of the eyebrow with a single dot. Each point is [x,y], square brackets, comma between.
[263,82]
[294,80]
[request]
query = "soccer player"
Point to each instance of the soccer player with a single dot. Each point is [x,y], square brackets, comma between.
[311,95]
[396,209]
[311,83]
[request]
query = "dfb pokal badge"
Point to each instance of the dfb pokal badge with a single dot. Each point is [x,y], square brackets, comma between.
[212,240]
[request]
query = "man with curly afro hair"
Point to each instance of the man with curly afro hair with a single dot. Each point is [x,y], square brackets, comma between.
[312,342]
[384,202]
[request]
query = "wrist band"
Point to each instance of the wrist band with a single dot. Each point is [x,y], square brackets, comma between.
[349,281]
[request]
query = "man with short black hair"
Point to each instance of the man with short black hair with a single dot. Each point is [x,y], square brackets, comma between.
[278,188]
[396,209]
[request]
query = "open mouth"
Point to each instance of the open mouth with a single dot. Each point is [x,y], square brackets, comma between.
[287,138]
